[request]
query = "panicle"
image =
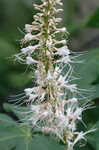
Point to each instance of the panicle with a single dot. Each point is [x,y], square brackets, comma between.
[54,101]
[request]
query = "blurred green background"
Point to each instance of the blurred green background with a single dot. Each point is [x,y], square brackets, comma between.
[82,21]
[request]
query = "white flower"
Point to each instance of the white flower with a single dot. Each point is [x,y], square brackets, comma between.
[28,91]
[71,87]
[32,97]
[49,42]
[31,93]
[59,2]
[54,107]
[28,37]
[35,108]
[61,42]
[57,20]
[61,80]
[42,96]
[63,51]
[74,114]
[28,28]
[78,112]
[48,130]
[30,60]
[57,71]
[49,76]
[73,100]
[29,49]
[72,126]
[81,136]
[61,29]
[65,59]
[70,145]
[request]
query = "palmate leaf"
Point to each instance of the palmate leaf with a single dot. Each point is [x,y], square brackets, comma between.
[20,137]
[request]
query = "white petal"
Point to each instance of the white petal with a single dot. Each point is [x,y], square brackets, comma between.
[63,51]
[28,37]
[62,29]
[30,60]
[28,28]
[29,49]
[28,91]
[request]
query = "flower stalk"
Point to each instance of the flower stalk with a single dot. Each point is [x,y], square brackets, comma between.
[54,100]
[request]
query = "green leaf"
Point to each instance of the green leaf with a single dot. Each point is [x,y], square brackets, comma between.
[93,139]
[93,20]
[20,137]
[20,112]
[88,71]
[13,76]
[97,136]
[17,80]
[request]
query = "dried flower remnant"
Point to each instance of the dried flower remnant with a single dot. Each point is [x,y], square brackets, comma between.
[54,100]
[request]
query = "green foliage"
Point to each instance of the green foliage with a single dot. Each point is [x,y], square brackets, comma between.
[93,20]
[18,137]
[14,15]
[11,75]
[89,71]
[94,138]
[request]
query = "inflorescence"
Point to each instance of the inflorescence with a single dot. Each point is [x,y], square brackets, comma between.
[54,101]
